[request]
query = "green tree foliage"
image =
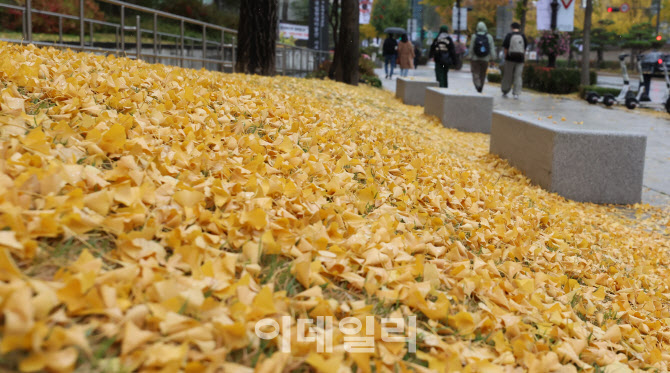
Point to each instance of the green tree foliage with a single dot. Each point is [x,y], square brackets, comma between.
[11,19]
[389,13]
[601,37]
[641,37]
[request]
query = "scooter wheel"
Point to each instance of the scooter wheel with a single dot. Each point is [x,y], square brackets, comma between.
[667,105]
[592,97]
[608,100]
[631,103]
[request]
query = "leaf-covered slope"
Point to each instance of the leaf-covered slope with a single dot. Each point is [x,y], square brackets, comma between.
[152,215]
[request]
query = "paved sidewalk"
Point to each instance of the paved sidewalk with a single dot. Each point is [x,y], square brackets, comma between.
[579,114]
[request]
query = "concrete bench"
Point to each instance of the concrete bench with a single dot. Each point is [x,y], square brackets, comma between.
[581,165]
[468,112]
[412,92]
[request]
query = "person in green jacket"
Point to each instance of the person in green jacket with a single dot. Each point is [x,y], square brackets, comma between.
[482,52]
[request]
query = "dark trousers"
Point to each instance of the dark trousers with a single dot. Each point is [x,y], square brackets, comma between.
[442,75]
[389,59]
[478,69]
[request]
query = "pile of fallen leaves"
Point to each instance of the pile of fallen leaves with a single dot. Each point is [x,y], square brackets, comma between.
[151,215]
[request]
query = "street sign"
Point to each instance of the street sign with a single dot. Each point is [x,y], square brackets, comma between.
[624,7]
[464,19]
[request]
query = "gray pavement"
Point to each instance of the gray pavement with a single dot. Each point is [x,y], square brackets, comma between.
[578,114]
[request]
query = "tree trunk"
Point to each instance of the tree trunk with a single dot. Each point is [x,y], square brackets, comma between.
[551,60]
[345,61]
[522,18]
[334,20]
[586,47]
[257,37]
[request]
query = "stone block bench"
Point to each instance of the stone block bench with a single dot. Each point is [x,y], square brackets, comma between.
[412,92]
[581,165]
[468,112]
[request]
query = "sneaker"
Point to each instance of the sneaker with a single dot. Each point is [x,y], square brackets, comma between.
[479,89]
[504,94]
[516,97]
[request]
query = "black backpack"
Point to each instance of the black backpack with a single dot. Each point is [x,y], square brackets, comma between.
[442,55]
[482,47]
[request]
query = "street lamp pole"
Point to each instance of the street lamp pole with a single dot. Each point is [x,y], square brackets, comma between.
[554,14]
[458,19]
[554,21]
[658,16]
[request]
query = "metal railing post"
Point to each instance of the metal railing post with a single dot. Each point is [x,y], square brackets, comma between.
[81,24]
[284,59]
[138,42]
[181,33]
[204,46]
[234,53]
[90,31]
[29,21]
[223,50]
[123,29]
[60,30]
[155,38]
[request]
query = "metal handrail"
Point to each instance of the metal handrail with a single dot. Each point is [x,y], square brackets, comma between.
[294,60]
[168,15]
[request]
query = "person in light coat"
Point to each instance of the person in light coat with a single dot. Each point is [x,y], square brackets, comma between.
[405,55]
[480,64]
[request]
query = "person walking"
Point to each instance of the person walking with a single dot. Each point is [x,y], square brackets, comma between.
[390,52]
[443,52]
[514,46]
[482,52]
[405,55]
[417,53]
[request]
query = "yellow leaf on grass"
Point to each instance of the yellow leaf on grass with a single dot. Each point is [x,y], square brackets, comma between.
[462,322]
[37,140]
[188,198]
[133,337]
[114,139]
[599,294]
[323,365]
[255,218]
[525,286]
[263,304]
[8,239]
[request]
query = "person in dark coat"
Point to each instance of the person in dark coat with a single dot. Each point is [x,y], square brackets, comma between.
[417,54]
[443,52]
[390,52]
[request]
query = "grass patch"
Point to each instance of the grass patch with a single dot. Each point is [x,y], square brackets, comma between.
[59,252]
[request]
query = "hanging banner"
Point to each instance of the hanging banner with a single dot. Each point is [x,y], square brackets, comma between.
[565,20]
[318,24]
[297,32]
[365,8]
[463,18]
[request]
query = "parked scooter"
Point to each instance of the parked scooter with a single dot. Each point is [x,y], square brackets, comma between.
[609,99]
[633,102]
